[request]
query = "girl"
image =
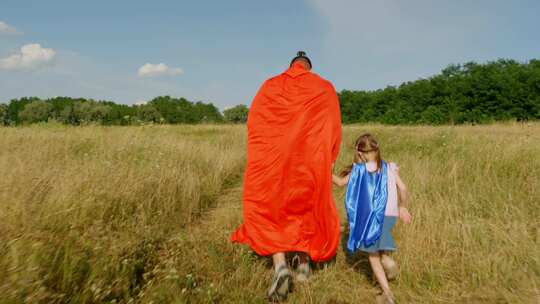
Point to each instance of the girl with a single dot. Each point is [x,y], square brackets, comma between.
[372,209]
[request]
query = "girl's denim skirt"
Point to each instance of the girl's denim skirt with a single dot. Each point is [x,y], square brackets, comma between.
[386,241]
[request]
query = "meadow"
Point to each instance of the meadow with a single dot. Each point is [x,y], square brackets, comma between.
[143,215]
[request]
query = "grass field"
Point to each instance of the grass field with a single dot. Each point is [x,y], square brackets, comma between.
[144,214]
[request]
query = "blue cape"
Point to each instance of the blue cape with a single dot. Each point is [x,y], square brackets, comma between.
[367,194]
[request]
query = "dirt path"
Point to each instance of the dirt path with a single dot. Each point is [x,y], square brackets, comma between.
[201,265]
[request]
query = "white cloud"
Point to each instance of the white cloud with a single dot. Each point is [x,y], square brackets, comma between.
[31,56]
[8,29]
[160,69]
[140,102]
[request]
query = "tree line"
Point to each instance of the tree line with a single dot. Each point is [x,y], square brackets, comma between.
[81,111]
[462,93]
[466,93]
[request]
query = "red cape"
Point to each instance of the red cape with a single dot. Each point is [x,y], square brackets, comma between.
[294,135]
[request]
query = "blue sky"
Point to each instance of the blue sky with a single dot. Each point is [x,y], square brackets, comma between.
[221,51]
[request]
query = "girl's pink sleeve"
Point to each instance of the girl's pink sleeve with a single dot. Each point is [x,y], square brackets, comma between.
[394,167]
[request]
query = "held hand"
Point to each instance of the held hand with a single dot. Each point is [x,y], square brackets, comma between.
[335,179]
[404,215]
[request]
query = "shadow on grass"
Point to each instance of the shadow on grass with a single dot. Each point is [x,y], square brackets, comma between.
[358,260]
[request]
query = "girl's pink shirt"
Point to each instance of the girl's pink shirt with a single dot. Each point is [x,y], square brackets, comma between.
[392,203]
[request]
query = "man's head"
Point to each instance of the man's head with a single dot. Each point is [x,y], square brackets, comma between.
[303,59]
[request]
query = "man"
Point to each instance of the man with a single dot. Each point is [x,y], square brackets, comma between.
[294,135]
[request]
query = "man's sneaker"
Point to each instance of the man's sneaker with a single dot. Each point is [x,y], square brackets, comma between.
[281,284]
[390,267]
[303,273]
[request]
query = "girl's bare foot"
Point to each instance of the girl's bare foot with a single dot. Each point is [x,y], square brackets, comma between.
[386,298]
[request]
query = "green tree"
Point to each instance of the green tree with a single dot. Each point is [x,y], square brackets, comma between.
[118,113]
[236,114]
[207,112]
[468,93]
[15,106]
[148,113]
[181,110]
[3,114]
[36,111]
[59,104]
[398,113]
[433,115]
[170,109]
[84,112]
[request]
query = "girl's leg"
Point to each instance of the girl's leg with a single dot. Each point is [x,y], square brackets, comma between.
[389,265]
[378,271]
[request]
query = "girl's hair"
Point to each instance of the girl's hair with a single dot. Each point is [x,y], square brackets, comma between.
[365,143]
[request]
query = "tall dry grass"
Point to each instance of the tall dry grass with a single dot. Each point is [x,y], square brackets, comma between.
[475,197]
[92,215]
[84,211]
[475,194]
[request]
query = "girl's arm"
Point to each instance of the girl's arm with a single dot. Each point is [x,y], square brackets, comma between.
[403,194]
[340,181]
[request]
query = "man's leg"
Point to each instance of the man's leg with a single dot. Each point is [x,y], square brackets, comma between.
[279,260]
[303,271]
[282,281]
